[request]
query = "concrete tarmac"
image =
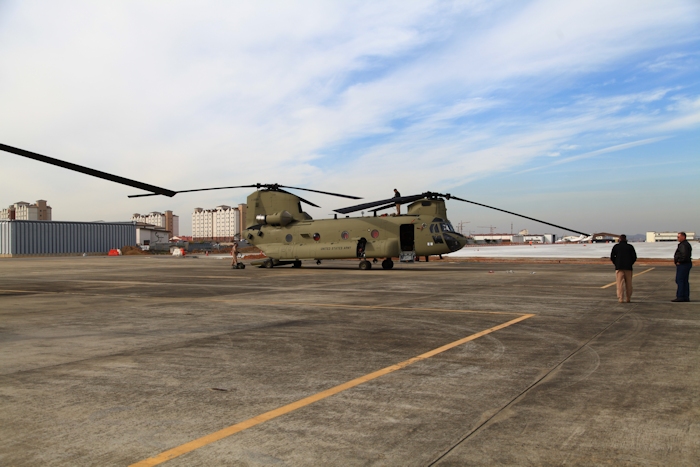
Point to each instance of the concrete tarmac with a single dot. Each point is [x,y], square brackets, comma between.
[184,361]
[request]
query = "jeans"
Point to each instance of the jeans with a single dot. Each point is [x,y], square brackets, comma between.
[682,274]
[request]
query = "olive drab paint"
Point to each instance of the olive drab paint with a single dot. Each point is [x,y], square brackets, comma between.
[277,225]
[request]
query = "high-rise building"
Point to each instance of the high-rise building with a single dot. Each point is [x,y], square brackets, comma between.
[221,224]
[202,224]
[172,223]
[23,211]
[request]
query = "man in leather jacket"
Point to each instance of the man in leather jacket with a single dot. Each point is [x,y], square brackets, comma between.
[623,257]
[398,205]
[683,261]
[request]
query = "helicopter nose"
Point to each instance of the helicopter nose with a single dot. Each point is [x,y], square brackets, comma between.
[462,241]
[454,240]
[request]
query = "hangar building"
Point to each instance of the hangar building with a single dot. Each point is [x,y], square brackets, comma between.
[667,236]
[28,238]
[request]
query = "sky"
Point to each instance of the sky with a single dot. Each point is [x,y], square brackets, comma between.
[583,114]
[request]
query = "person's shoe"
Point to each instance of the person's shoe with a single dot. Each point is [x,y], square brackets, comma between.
[628,301]
[678,300]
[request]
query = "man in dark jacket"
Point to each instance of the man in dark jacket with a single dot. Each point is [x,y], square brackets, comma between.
[683,261]
[398,205]
[623,257]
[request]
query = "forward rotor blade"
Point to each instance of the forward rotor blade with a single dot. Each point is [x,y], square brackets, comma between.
[87,171]
[391,201]
[519,215]
[381,208]
[322,192]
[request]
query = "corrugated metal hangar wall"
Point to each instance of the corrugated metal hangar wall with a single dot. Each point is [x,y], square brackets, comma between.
[25,238]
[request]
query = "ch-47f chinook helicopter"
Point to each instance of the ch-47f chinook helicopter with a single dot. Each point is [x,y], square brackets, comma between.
[277,225]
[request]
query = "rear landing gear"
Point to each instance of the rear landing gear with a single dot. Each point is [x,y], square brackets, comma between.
[387,263]
[296,264]
[365,265]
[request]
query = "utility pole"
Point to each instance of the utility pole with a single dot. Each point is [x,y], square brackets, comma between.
[461,226]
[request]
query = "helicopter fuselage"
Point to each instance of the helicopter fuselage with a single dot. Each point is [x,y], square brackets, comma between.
[357,237]
[293,236]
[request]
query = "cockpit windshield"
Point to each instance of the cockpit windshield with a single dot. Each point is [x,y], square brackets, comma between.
[447,227]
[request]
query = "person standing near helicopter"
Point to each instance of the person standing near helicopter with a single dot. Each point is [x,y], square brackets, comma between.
[234,255]
[398,205]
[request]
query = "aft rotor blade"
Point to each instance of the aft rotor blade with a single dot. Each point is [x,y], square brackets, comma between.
[198,189]
[367,206]
[88,171]
[519,215]
[300,199]
[271,186]
[322,192]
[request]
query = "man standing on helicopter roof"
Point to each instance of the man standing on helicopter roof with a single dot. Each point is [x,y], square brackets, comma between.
[398,205]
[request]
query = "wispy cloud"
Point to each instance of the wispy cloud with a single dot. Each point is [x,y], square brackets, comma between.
[334,95]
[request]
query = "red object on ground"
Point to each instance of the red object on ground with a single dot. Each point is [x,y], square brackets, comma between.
[113,252]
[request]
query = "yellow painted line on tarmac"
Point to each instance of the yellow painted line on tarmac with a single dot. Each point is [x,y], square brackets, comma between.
[262,418]
[633,275]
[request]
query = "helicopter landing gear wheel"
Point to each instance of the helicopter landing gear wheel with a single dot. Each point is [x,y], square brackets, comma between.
[268,264]
[387,263]
[365,265]
[296,264]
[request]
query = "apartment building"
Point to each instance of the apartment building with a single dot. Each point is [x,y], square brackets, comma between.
[167,220]
[221,224]
[23,211]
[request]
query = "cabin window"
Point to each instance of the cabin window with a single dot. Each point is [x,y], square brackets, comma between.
[345,235]
[288,238]
[375,233]
[317,236]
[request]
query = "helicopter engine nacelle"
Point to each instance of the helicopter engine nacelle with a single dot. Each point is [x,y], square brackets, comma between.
[279,218]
